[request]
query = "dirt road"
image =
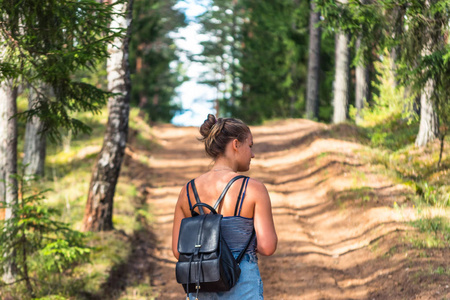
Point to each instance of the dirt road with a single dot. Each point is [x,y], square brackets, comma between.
[334,214]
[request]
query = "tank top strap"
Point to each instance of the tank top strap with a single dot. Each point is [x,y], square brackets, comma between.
[240,199]
[189,198]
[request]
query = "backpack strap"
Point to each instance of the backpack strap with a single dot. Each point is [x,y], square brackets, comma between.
[200,205]
[187,193]
[225,190]
[241,197]
[197,198]
[241,255]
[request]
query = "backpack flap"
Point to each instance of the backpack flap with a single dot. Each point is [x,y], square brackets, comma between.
[199,246]
[199,234]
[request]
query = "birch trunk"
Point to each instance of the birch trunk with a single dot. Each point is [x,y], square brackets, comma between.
[8,162]
[99,206]
[312,96]
[341,79]
[35,142]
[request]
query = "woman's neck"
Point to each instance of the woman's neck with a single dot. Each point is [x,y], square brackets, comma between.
[223,165]
[222,168]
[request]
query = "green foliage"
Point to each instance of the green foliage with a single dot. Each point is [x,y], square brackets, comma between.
[223,20]
[440,229]
[364,21]
[391,126]
[390,121]
[435,225]
[273,62]
[436,66]
[152,51]
[433,195]
[257,59]
[427,36]
[46,42]
[59,255]
[415,31]
[33,234]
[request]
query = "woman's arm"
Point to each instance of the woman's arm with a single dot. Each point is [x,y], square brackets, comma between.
[177,217]
[263,220]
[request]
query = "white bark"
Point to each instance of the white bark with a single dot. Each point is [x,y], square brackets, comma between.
[312,96]
[428,129]
[8,160]
[341,78]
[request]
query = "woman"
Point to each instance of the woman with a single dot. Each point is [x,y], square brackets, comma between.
[229,142]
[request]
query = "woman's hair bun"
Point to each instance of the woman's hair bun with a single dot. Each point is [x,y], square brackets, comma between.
[217,133]
[206,127]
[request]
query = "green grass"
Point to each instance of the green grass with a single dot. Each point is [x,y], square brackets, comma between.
[434,232]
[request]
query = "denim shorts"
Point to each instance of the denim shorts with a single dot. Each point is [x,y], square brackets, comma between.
[248,287]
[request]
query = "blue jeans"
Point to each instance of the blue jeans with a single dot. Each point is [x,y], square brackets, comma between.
[248,287]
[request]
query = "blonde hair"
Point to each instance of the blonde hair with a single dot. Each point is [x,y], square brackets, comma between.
[217,133]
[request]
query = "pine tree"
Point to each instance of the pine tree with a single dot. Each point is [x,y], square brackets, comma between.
[152,54]
[273,62]
[222,53]
[45,42]
[99,206]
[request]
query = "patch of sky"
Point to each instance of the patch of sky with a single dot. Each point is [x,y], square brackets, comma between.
[196,98]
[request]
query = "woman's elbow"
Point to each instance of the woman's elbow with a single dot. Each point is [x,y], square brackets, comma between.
[267,249]
[176,253]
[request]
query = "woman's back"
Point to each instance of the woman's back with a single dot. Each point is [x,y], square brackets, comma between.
[236,229]
[210,186]
[246,206]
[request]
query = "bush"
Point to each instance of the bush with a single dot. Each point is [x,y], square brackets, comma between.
[32,234]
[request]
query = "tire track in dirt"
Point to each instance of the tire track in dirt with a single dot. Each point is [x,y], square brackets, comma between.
[331,211]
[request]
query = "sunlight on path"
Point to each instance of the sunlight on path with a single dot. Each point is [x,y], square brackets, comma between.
[330,210]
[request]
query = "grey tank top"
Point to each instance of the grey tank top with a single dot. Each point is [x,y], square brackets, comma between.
[237,230]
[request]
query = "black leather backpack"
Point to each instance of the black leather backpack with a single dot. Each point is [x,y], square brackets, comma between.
[206,264]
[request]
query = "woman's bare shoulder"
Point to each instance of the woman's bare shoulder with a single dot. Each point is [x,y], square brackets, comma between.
[256,187]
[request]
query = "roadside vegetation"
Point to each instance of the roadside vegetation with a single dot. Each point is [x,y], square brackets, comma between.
[83,273]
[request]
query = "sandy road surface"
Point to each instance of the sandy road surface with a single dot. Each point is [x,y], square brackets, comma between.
[333,214]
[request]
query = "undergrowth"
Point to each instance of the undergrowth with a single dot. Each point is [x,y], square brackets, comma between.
[67,176]
[389,128]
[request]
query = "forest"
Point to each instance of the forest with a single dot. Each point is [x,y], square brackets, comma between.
[348,102]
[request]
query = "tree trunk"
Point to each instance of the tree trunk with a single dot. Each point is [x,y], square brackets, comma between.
[362,86]
[99,206]
[312,96]
[233,69]
[441,148]
[8,161]
[35,144]
[429,127]
[429,123]
[398,15]
[341,79]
